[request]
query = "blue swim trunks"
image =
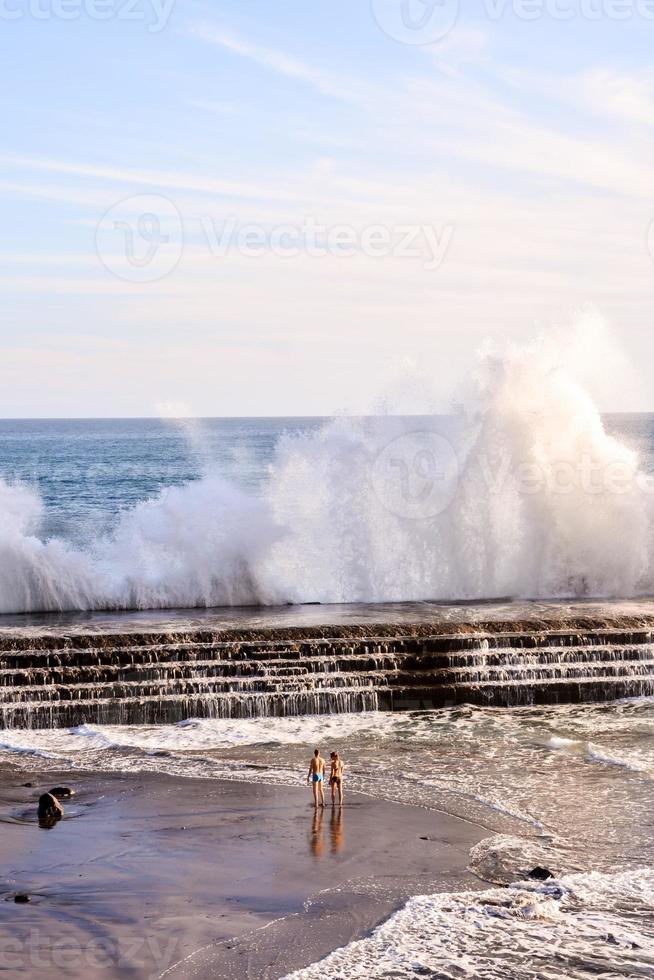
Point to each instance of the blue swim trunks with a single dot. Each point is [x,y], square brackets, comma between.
[317,778]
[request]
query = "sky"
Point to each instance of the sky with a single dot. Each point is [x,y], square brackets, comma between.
[293,208]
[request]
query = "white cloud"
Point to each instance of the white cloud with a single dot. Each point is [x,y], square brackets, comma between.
[465,44]
[621,96]
[151,178]
[281,63]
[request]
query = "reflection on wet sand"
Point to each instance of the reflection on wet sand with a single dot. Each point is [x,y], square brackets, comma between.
[317,842]
[336,830]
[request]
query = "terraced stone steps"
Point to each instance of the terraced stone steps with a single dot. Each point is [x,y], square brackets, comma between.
[143,678]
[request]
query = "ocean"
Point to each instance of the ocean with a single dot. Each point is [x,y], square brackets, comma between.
[168,514]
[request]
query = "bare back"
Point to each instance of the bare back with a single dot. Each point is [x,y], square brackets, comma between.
[337,769]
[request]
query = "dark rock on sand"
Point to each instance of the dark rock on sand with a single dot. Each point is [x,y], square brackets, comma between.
[22,899]
[28,785]
[50,808]
[540,874]
[62,792]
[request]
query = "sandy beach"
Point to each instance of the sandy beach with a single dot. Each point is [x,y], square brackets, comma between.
[152,876]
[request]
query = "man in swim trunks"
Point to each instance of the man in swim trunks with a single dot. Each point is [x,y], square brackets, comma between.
[317,777]
[336,777]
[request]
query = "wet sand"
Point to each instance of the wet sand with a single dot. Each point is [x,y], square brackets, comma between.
[153,876]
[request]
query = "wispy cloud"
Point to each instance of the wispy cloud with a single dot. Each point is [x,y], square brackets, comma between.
[466,44]
[549,210]
[150,178]
[629,97]
[282,64]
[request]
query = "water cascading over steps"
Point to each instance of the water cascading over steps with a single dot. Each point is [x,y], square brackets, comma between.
[53,681]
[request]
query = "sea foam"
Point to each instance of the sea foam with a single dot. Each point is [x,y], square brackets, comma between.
[583,925]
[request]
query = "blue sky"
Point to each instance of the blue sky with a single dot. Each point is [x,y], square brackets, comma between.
[515,154]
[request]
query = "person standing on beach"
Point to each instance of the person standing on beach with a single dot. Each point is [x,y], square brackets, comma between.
[317,777]
[336,777]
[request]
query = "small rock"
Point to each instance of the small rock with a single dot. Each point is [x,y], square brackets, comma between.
[540,874]
[22,899]
[28,785]
[62,792]
[50,810]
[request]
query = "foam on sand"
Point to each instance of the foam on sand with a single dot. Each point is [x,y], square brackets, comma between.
[584,925]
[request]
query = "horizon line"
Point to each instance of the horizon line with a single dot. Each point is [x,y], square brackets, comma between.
[236,418]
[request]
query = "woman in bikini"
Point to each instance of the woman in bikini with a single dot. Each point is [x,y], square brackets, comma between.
[336,777]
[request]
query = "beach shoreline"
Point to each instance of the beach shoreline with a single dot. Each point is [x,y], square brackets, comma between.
[153,875]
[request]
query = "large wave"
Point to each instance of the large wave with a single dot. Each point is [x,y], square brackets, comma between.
[521,492]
